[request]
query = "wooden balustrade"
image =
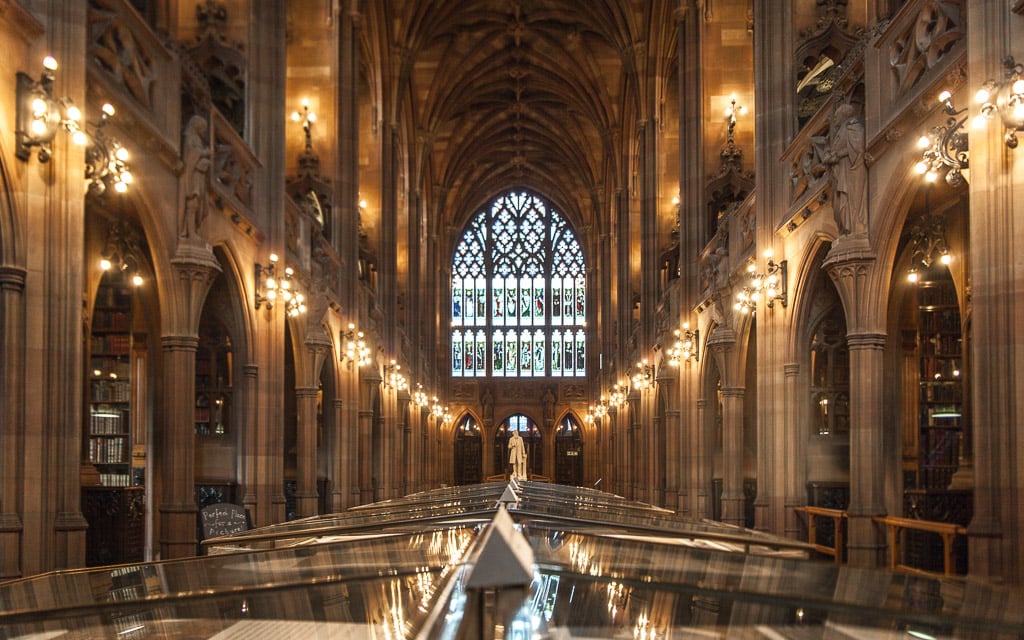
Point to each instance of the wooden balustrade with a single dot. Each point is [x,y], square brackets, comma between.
[837,516]
[898,526]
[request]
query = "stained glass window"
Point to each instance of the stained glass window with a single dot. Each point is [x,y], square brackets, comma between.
[518,293]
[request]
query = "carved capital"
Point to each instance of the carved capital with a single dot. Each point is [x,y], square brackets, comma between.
[12,278]
[196,269]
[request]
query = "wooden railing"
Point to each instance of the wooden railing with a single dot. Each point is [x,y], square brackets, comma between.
[897,527]
[895,536]
[837,516]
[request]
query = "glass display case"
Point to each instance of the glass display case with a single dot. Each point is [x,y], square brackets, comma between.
[519,561]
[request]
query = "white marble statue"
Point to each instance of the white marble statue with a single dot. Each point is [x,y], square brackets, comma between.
[517,456]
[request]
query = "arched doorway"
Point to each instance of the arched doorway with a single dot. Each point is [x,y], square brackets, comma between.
[931,313]
[468,452]
[569,452]
[530,432]
[116,451]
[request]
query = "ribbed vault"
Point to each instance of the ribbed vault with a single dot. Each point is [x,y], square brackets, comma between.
[544,94]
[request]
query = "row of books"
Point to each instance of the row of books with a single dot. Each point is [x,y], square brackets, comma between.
[106,421]
[115,480]
[111,343]
[111,390]
[108,450]
[112,321]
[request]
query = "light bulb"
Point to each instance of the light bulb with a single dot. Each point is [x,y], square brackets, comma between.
[924,142]
[50,63]
[982,95]
[39,107]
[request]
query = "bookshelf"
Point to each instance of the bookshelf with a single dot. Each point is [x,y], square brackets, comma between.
[113,495]
[108,432]
[213,379]
[940,351]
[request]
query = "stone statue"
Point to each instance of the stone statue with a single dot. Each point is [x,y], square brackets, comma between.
[846,154]
[549,406]
[197,157]
[487,402]
[517,456]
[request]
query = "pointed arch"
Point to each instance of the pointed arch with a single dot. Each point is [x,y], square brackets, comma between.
[518,293]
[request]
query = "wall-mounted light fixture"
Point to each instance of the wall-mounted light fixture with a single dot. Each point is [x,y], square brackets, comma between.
[106,161]
[617,395]
[772,284]
[643,376]
[596,412]
[1005,98]
[123,252]
[393,376]
[731,112]
[307,118]
[730,152]
[440,411]
[420,397]
[40,115]
[685,346]
[270,288]
[356,350]
[945,147]
[928,238]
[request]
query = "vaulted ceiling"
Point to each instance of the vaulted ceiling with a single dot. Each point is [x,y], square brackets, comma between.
[551,95]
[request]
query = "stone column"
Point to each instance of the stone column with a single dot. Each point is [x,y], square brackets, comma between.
[364,461]
[698,465]
[12,416]
[673,456]
[338,465]
[409,482]
[794,452]
[995,533]
[850,264]
[866,546]
[248,391]
[196,270]
[306,458]
[732,455]
[177,449]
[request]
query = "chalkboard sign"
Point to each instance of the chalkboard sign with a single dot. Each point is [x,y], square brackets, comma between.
[222,519]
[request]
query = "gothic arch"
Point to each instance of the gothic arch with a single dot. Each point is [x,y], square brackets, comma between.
[12,243]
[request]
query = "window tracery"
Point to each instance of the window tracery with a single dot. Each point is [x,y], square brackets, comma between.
[518,293]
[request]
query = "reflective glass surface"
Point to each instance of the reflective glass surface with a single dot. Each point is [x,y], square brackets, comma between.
[504,561]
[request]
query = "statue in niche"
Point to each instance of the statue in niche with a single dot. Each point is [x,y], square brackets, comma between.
[487,402]
[549,406]
[517,456]
[846,155]
[197,157]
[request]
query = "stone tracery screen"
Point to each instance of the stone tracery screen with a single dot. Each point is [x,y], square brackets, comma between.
[518,293]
